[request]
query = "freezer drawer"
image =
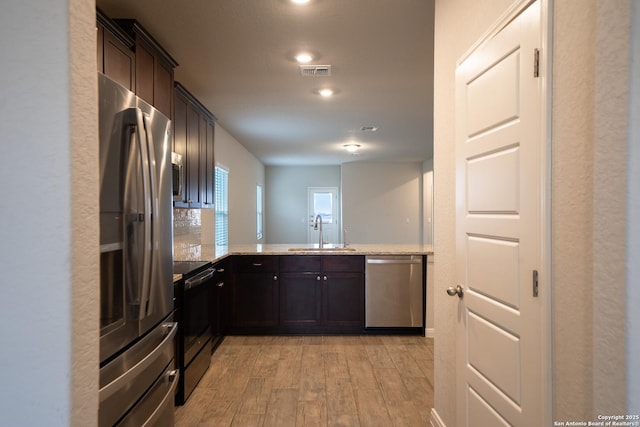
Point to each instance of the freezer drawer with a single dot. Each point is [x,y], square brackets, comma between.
[130,376]
[393,291]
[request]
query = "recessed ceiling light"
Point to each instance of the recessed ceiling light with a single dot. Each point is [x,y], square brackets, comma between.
[351,147]
[299,1]
[325,92]
[303,57]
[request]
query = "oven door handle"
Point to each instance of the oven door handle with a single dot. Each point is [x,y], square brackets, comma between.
[199,279]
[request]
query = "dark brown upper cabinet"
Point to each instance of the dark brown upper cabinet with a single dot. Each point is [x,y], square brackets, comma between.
[153,67]
[116,57]
[193,138]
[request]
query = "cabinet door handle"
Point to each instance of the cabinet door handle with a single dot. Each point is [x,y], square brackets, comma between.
[257,264]
[220,285]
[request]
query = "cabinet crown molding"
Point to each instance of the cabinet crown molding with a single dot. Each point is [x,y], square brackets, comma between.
[136,30]
[115,29]
[191,98]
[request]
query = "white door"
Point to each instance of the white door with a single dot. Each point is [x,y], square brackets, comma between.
[500,191]
[323,201]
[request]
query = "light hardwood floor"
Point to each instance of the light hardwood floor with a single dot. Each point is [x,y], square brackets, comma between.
[315,381]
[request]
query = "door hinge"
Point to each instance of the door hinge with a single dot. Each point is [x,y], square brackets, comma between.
[536,62]
[535,283]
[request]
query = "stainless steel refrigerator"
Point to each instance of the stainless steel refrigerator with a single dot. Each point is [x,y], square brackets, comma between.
[137,373]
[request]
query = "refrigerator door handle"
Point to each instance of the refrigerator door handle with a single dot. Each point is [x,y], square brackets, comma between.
[153,214]
[136,208]
[143,146]
[124,379]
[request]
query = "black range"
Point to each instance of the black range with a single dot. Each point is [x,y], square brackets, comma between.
[193,295]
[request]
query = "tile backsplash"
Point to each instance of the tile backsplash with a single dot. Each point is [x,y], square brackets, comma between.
[187,226]
[192,228]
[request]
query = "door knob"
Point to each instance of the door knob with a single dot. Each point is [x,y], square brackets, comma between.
[451,291]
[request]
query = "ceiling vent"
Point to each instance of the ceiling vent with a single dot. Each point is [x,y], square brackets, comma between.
[315,70]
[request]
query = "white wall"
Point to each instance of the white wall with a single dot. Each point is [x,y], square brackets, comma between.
[611,127]
[382,202]
[286,199]
[49,224]
[245,173]
[572,209]
[588,187]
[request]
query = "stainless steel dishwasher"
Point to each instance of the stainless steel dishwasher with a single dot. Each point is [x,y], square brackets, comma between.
[393,291]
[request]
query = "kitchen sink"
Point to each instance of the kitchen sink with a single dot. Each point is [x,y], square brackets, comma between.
[326,249]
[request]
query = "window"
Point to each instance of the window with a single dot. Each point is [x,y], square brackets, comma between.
[221,189]
[323,206]
[259,212]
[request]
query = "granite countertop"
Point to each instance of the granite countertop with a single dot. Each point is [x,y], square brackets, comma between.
[195,252]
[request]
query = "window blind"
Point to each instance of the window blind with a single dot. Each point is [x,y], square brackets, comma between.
[221,190]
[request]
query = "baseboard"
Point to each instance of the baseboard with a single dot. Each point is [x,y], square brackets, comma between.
[430,332]
[436,421]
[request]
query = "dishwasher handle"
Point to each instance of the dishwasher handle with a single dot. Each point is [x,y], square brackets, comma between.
[199,279]
[394,261]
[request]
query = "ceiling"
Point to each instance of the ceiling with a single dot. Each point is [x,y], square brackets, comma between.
[236,57]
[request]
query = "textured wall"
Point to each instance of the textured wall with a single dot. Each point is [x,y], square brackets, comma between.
[48,248]
[610,197]
[589,137]
[572,207]
[84,200]
[590,117]
[633,225]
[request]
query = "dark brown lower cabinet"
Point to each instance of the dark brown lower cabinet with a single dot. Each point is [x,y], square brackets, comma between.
[255,294]
[343,302]
[306,294]
[220,302]
[300,301]
[256,300]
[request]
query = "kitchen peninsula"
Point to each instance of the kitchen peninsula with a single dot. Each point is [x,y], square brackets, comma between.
[300,288]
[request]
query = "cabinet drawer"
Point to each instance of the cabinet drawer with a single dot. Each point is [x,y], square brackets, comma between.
[300,263]
[343,263]
[256,263]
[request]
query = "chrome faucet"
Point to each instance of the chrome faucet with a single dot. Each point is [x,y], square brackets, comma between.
[315,227]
